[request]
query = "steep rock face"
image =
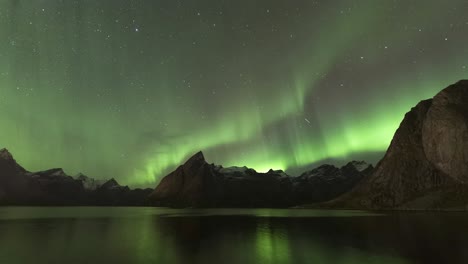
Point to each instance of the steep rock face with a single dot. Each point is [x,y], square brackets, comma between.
[426,159]
[10,177]
[445,132]
[188,185]
[199,184]
[15,186]
[9,165]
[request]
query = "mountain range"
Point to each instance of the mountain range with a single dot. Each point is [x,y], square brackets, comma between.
[199,184]
[425,167]
[194,184]
[54,187]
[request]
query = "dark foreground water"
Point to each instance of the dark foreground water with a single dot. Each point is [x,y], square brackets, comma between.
[155,235]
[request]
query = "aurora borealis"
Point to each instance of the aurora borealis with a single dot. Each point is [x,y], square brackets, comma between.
[131,88]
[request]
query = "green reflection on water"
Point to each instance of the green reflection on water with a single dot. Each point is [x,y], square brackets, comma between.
[272,245]
[161,235]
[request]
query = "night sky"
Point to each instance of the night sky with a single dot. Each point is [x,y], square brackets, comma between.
[131,88]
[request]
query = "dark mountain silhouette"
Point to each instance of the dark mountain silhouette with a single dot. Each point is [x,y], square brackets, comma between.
[15,186]
[199,184]
[54,187]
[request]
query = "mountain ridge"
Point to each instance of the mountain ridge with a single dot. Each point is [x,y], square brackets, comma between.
[54,187]
[196,183]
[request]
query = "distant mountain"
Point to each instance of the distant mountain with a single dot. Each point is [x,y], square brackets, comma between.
[327,181]
[426,165]
[89,184]
[57,187]
[199,184]
[54,187]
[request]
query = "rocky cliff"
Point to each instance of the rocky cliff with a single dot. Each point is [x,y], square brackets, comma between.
[426,165]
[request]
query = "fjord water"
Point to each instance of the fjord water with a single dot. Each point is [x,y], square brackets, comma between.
[159,235]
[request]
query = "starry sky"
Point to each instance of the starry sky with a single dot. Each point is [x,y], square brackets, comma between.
[131,88]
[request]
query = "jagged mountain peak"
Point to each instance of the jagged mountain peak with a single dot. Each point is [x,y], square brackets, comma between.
[5,154]
[196,158]
[81,176]
[112,183]
[89,183]
[325,169]
[359,165]
[275,171]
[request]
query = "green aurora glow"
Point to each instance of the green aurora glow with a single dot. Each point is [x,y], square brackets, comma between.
[130,89]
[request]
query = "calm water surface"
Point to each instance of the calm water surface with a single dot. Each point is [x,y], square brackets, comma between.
[157,235]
